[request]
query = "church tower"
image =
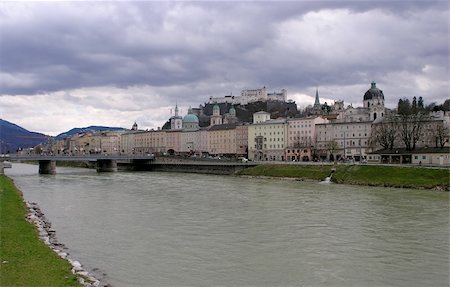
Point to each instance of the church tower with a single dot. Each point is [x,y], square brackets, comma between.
[216,118]
[317,106]
[176,122]
[374,101]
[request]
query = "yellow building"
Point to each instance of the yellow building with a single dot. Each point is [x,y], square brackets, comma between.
[267,140]
[149,141]
[105,142]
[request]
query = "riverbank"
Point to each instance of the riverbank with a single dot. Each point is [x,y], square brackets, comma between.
[31,255]
[371,175]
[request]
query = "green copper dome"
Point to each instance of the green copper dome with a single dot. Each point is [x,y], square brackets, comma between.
[190,118]
[232,111]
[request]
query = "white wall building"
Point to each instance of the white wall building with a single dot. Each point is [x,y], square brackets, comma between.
[250,96]
[351,140]
[260,117]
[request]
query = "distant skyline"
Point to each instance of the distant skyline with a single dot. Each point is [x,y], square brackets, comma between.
[76,64]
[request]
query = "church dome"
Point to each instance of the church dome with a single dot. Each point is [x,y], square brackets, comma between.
[373,92]
[190,118]
[232,111]
[216,109]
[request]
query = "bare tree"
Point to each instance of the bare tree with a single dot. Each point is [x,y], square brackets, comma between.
[441,134]
[411,128]
[411,120]
[384,133]
[331,147]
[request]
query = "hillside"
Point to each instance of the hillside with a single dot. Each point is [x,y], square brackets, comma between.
[85,130]
[13,137]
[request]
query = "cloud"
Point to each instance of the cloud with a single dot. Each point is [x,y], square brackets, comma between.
[129,59]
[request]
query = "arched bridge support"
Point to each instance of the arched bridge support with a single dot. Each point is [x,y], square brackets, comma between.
[47,167]
[106,165]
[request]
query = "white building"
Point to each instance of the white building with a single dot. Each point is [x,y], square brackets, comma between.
[260,117]
[250,96]
[343,140]
[176,122]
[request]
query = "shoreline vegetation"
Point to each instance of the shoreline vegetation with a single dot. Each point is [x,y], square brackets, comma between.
[30,253]
[368,175]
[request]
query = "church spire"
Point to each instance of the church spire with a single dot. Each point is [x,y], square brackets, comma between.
[317,102]
[176,110]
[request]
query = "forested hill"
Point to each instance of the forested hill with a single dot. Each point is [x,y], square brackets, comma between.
[13,137]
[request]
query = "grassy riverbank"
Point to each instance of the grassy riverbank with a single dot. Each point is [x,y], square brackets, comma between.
[389,176]
[24,259]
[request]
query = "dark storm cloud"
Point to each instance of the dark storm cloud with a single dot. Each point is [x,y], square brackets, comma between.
[210,48]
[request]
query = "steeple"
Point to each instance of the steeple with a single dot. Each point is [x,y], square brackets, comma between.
[176,110]
[317,102]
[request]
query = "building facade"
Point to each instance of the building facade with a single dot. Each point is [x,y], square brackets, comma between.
[250,96]
[301,138]
[227,139]
[343,140]
[267,140]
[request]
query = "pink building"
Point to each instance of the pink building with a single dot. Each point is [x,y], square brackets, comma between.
[173,141]
[227,139]
[301,137]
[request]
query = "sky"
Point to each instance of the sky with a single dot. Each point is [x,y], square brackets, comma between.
[75,64]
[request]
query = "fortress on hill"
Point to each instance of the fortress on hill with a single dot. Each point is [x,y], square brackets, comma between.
[250,96]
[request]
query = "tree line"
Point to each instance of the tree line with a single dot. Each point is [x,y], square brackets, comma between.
[407,125]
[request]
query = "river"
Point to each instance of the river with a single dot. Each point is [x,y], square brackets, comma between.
[175,229]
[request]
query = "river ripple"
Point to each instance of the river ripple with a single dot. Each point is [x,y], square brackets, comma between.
[173,229]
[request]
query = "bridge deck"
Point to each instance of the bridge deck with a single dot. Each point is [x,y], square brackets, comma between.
[129,158]
[89,157]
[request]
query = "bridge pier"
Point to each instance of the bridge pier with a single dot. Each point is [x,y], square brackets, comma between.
[106,165]
[47,167]
[2,170]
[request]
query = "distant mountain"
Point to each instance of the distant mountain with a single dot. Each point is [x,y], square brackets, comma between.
[85,130]
[13,137]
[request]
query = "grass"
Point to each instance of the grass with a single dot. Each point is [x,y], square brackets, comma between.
[24,259]
[316,172]
[408,177]
[390,176]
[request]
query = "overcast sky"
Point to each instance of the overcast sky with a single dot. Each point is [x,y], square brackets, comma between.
[75,64]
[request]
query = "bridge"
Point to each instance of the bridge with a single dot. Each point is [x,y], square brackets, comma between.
[104,163]
[109,163]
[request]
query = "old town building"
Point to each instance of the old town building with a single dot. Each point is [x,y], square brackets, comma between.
[227,139]
[267,140]
[301,138]
[343,140]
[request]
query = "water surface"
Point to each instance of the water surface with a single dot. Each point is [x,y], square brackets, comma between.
[174,229]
